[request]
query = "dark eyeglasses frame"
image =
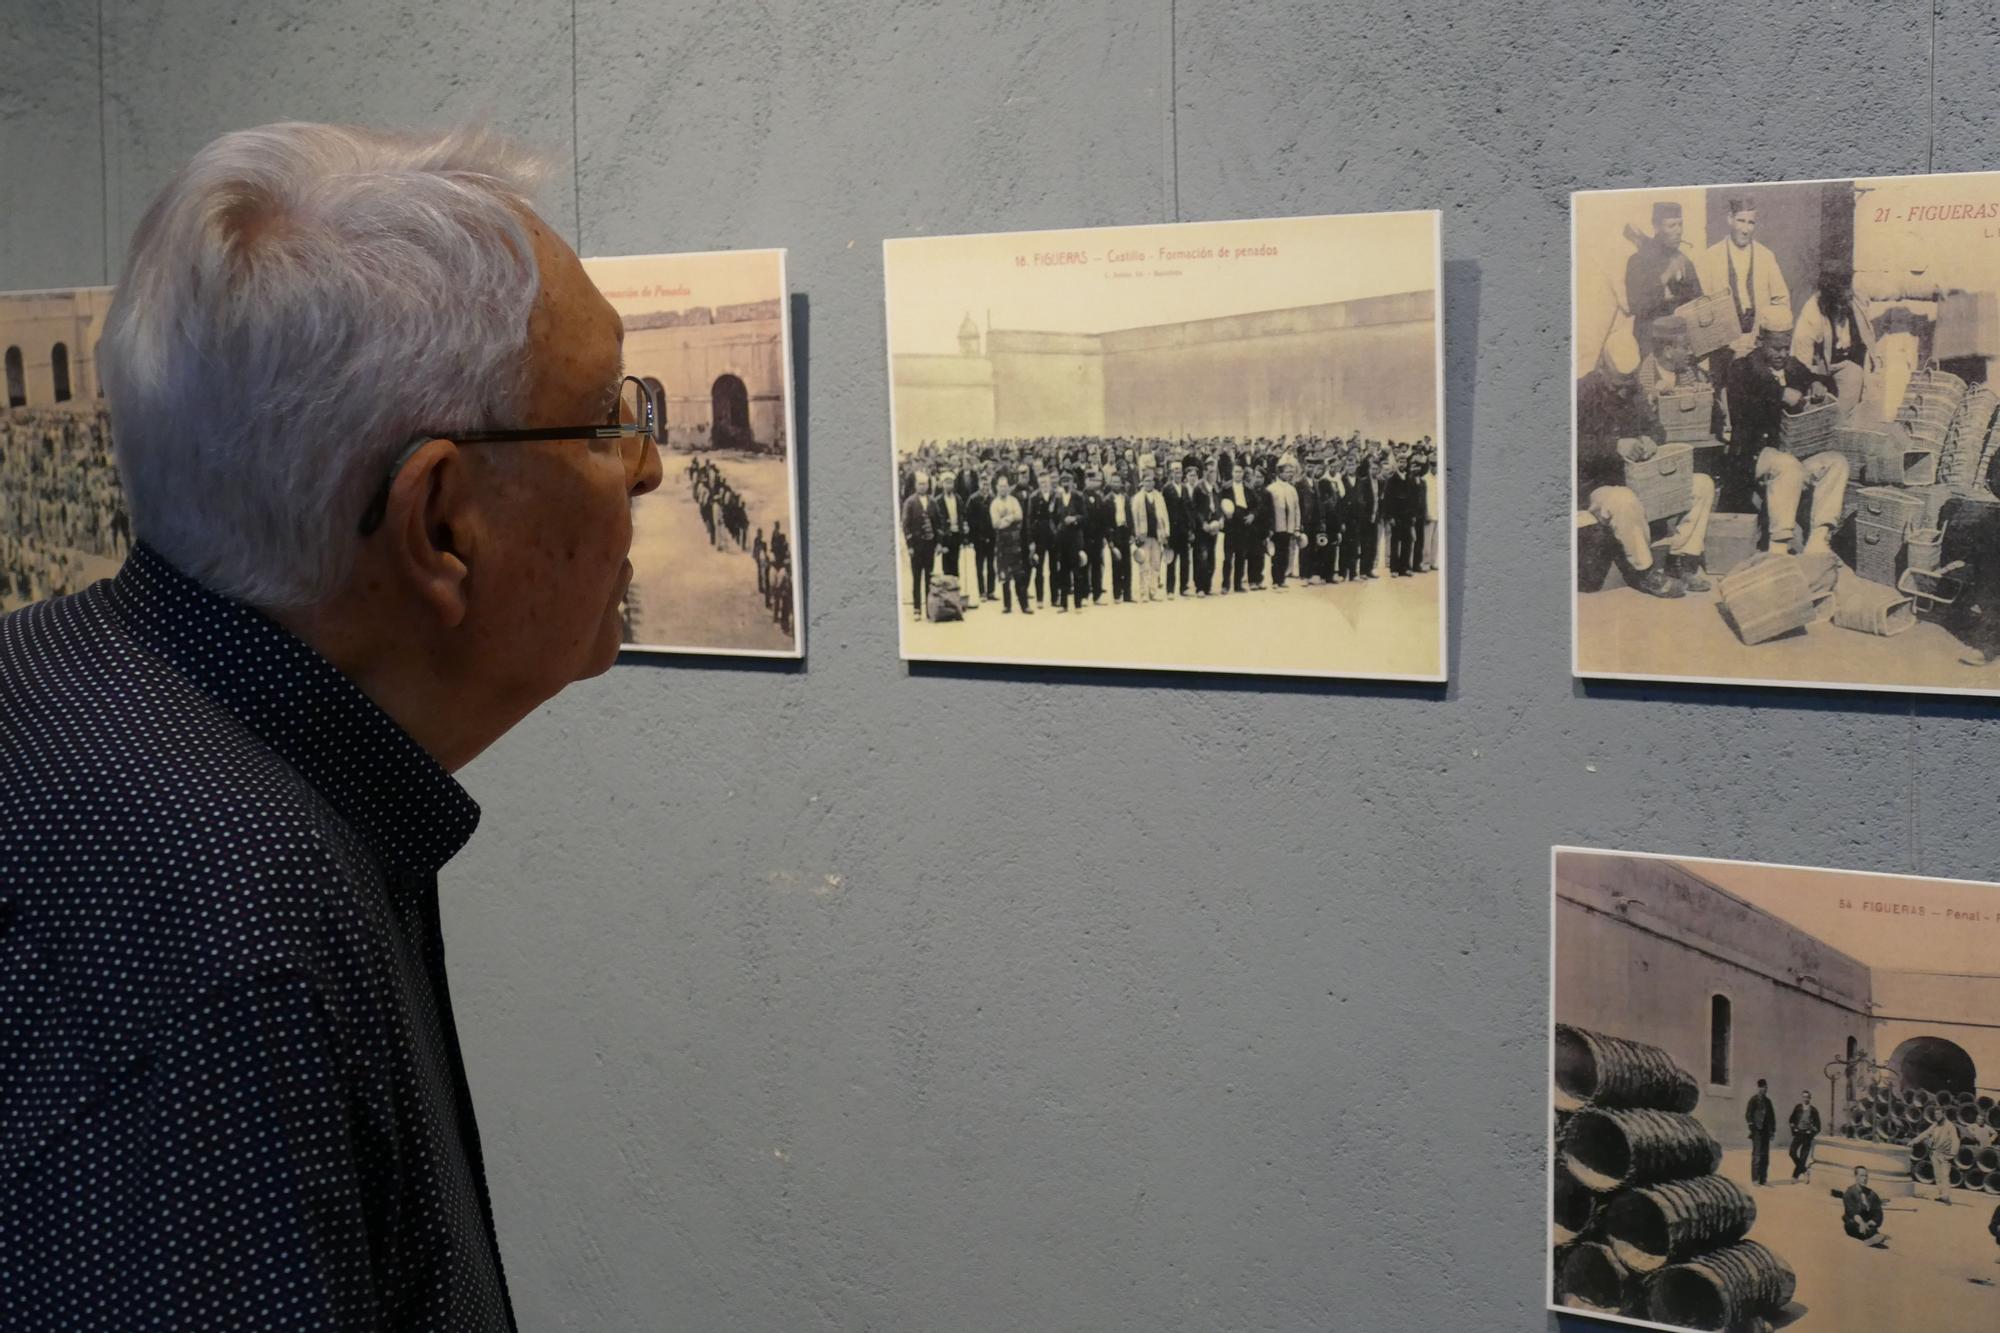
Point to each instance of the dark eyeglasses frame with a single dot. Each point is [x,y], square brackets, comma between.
[371,518]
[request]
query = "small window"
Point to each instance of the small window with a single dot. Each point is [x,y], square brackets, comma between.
[59,368]
[1718,1041]
[17,379]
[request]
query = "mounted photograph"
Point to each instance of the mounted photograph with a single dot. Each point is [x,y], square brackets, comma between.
[1203,446]
[1774,1096]
[715,550]
[1784,433]
[63,523]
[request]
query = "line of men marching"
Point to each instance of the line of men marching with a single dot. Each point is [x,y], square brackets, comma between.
[1153,533]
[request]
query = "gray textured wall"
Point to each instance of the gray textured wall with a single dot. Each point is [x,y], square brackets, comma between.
[862,997]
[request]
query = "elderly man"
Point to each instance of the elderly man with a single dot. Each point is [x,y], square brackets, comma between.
[380,457]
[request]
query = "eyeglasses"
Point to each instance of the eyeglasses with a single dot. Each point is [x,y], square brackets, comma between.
[634,424]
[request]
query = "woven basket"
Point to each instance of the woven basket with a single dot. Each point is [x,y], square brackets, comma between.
[1711,323]
[1686,414]
[1766,598]
[1664,483]
[1871,608]
[1803,434]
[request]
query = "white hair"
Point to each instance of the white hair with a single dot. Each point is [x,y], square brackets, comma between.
[299,303]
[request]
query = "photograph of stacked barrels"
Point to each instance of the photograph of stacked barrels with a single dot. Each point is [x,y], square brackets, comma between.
[1759,1076]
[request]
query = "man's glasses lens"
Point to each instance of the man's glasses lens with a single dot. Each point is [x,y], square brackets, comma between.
[636,408]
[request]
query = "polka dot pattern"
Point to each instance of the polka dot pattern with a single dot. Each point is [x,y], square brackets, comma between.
[231,1092]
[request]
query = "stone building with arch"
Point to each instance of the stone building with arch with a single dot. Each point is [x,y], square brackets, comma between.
[1657,951]
[48,345]
[717,373]
[1368,364]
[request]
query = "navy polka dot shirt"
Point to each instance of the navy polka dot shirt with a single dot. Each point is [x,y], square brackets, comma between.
[231,1094]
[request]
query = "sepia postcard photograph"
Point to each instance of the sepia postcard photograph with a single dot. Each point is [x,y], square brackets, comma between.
[715,550]
[63,523]
[1784,433]
[1204,446]
[1774,1096]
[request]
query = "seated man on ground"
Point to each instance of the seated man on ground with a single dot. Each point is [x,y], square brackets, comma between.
[1861,1210]
[1764,387]
[1616,424]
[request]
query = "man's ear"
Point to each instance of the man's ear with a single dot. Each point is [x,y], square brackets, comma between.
[430,523]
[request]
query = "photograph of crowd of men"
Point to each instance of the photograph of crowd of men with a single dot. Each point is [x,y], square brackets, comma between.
[1132,427]
[1075,520]
[63,523]
[1784,431]
[1775,1097]
[714,548]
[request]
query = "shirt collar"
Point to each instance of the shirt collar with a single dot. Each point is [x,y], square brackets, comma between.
[413,814]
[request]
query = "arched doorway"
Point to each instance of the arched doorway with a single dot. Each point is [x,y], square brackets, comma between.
[17,379]
[59,368]
[729,404]
[1934,1064]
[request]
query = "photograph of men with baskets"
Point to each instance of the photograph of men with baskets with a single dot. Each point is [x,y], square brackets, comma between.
[1784,433]
[1705,1013]
[1204,446]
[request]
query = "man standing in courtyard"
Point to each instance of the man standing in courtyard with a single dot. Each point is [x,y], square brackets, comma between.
[1805,1128]
[1761,1118]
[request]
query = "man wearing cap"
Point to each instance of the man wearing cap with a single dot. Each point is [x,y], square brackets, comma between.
[1616,423]
[1668,365]
[1152,525]
[1660,276]
[1763,387]
[1761,1119]
[1284,509]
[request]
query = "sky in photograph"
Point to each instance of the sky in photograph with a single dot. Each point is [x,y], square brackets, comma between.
[650,284]
[1935,941]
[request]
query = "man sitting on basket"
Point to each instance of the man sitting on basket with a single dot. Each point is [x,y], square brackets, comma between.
[1616,423]
[1764,388]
